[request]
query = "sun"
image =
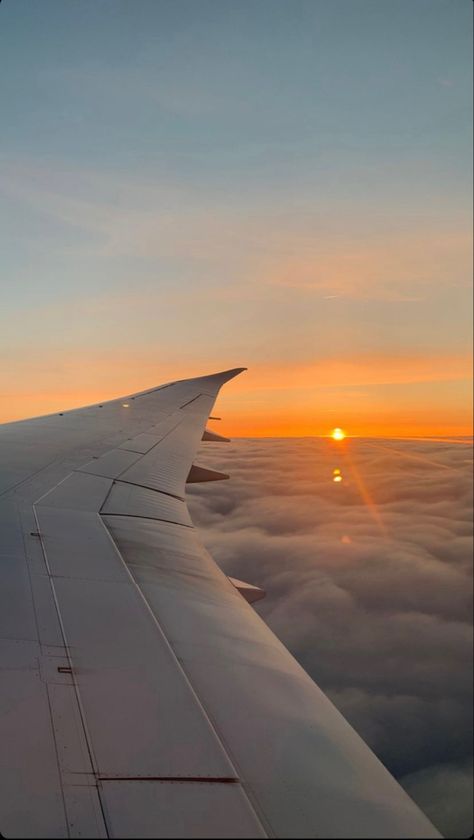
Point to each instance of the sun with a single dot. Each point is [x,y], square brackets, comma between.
[338,434]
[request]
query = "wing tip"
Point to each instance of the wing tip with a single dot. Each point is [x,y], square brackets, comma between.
[229,374]
[222,376]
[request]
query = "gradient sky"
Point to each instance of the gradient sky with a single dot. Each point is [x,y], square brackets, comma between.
[191,185]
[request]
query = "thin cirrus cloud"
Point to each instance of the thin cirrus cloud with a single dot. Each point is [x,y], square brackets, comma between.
[283,246]
[368,583]
[104,255]
[391,268]
[213,185]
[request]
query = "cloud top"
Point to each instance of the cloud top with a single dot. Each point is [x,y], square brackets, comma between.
[368,584]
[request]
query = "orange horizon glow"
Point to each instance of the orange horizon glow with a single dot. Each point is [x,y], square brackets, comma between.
[236,424]
[393,396]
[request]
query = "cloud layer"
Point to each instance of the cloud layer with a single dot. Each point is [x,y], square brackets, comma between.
[368,583]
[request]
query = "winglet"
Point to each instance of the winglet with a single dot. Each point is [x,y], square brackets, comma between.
[219,379]
[225,375]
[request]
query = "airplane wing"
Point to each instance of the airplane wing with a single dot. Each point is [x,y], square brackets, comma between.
[140,694]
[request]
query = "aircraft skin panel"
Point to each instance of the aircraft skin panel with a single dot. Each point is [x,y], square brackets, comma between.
[31,801]
[177,809]
[140,694]
[111,464]
[79,491]
[132,688]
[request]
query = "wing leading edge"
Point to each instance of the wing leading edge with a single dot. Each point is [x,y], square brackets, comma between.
[141,695]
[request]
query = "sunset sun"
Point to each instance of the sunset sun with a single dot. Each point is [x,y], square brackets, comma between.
[338,434]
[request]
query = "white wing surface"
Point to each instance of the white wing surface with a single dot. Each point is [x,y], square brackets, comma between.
[140,694]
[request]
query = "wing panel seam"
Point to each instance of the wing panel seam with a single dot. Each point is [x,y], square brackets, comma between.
[186,677]
[76,687]
[151,518]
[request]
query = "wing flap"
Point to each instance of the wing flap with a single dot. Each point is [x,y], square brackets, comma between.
[133,500]
[176,809]
[166,466]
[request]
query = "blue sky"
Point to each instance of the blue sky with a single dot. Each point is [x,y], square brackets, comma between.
[214,90]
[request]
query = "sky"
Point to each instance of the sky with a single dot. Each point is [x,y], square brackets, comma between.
[368,582]
[193,185]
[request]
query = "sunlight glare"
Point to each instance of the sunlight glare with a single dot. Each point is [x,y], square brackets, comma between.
[337,475]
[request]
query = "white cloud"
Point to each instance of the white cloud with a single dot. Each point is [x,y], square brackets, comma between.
[368,584]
